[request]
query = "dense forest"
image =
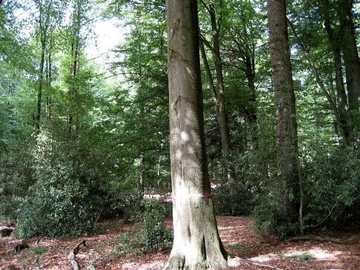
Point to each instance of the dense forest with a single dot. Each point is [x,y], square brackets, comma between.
[84,135]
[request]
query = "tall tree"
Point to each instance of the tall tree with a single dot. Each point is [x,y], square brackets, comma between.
[50,16]
[344,116]
[324,30]
[286,125]
[44,22]
[143,109]
[217,85]
[197,244]
[351,59]
[76,47]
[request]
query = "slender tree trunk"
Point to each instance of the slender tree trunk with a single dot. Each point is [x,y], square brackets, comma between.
[328,93]
[251,109]
[197,244]
[75,53]
[40,87]
[48,80]
[44,20]
[286,126]
[141,185]
[345,121]
[218,90]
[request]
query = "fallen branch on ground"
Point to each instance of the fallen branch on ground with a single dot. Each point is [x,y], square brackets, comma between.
[72,255]
[19,247]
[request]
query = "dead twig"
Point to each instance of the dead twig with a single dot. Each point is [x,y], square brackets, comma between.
[72,255]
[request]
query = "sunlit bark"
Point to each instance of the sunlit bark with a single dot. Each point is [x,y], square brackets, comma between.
[197,244]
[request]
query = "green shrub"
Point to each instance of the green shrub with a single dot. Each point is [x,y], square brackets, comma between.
[37,250]
[233,200]
[149,234]
[69,190]
[51,211]
[16,177]
[268,218]
[331,189]
[120,205]
[331,194]
[153,235]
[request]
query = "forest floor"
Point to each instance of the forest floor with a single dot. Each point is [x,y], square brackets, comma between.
[246,250]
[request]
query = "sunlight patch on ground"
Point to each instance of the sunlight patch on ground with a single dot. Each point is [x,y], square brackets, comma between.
[147,266]
[321,254]
[265,258]
[225,228]
[317,254]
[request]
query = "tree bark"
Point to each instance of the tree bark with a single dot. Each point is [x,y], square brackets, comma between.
[351,59]
[286,126]
[197,244]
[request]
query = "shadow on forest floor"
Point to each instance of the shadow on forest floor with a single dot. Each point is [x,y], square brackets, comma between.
[246,250]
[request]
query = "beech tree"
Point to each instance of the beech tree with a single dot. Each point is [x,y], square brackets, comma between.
[197,244]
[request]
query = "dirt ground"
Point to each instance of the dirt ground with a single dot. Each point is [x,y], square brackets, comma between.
[246,250]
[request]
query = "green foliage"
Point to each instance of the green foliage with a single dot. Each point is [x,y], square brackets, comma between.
[332,188]
[16,176]
[62,182]
[269,220]
[37,250]
[127,245]
[69,192]
[149,234]
[236,200]
[331,197]
[49,211]
[153,235]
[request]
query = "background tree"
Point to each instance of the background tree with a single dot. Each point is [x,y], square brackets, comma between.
[287,191]
[142,107]
[216,81]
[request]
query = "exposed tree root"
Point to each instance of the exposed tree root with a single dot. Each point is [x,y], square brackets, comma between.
[72,255]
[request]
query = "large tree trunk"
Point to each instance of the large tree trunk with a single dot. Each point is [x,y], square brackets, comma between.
[351,59]
[286,127]
[197,244]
